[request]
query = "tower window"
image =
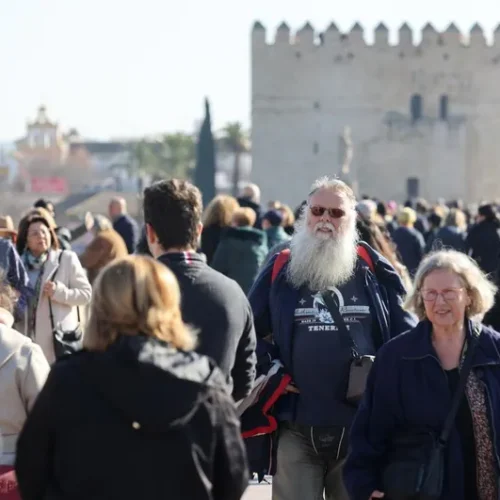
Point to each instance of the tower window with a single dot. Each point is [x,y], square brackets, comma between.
[416,107]
[443,107]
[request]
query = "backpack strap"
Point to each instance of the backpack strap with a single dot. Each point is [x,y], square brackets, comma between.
[280,261]
[364,255]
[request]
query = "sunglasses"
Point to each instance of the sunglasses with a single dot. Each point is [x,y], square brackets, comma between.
[334,213]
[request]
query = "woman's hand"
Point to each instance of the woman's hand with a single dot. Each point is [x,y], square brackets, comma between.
[377,494]
[49,289]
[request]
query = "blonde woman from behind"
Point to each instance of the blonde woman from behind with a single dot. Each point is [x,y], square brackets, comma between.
[136,414]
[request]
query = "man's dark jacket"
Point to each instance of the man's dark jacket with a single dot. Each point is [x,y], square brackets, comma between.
[128,229]
[274,304]
[407,389]
[140,420]
[216,307]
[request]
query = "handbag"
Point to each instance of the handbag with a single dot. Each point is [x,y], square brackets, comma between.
[416,460]
[8,483]
[360,366]
[65,341]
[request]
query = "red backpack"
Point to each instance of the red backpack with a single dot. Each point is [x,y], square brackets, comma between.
[284,255]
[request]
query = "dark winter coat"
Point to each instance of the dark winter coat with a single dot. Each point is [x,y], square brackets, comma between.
[408,389]
[240,254]
[274,305]
[128,229]
[411,247]
[216,307]
[483,245]
[140,420]
[210,239]
[450,237]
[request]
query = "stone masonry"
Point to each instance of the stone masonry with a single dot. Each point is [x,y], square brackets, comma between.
[424,119]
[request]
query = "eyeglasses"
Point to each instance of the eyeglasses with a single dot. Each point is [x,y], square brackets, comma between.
[449,295]
[334,213]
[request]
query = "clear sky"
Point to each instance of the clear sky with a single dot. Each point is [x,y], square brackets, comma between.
[132,67]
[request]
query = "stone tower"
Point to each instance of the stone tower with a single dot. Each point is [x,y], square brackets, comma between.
[424,118]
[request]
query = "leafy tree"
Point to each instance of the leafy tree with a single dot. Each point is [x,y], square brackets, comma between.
[236,141]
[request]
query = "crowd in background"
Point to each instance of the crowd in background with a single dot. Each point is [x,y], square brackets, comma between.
[145,348]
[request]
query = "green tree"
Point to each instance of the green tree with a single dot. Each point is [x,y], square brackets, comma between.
[205,158]
[182,160]
[172,156]
[235,139]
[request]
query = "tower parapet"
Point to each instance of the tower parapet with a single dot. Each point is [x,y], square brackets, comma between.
[381,36]
[282,34]
[332,37]
[305,36]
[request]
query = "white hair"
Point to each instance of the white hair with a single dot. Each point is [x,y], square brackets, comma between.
[480,289]
[320,262]
[334,184]
[252,191]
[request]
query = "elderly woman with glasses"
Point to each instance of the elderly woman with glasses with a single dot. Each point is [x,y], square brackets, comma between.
[412,383]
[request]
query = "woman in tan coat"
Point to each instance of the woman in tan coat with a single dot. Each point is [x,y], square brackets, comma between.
[23,371]
[106,246]
[58,281]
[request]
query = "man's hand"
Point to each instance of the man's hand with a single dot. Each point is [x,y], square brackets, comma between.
[49,289]
[291,388]
[377,494]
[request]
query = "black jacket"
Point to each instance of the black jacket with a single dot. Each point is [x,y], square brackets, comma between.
[217,308]
[128,229]
[210,239]
[140,420]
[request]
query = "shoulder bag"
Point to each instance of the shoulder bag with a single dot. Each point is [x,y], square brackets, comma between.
[416,461]
[360,365]
[65,341]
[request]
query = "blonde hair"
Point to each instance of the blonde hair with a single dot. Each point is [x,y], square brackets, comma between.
[288,216]
[480,289]
[407,216]
[220,210]
[244,217]
[132,296]
[456,218]
[102,223]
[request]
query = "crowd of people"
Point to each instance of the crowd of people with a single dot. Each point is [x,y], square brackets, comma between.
[348,348]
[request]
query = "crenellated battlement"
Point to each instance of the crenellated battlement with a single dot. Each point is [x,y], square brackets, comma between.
[333,37]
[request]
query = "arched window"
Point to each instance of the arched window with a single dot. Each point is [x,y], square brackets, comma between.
[416,107]
[443,107]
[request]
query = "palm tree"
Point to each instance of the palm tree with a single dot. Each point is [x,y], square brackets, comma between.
[236,140]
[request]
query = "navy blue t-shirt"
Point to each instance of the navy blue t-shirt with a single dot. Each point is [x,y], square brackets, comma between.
[321,358]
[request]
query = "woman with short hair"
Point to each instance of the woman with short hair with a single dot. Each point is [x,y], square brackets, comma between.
[137,413]
[414,379]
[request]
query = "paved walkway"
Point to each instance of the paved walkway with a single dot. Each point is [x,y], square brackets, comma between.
[258,492]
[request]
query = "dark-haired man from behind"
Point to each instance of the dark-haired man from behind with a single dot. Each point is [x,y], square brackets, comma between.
[214,305]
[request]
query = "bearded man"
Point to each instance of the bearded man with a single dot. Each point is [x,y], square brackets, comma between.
[314,416]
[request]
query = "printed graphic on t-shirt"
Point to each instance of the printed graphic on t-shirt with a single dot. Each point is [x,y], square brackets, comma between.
[315,316]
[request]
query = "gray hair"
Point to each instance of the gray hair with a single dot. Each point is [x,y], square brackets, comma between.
[480,289]
[252,191]
[334,184]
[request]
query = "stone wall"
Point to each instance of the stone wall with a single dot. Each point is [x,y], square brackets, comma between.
[307,88]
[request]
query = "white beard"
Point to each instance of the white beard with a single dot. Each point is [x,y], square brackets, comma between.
[321,260]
